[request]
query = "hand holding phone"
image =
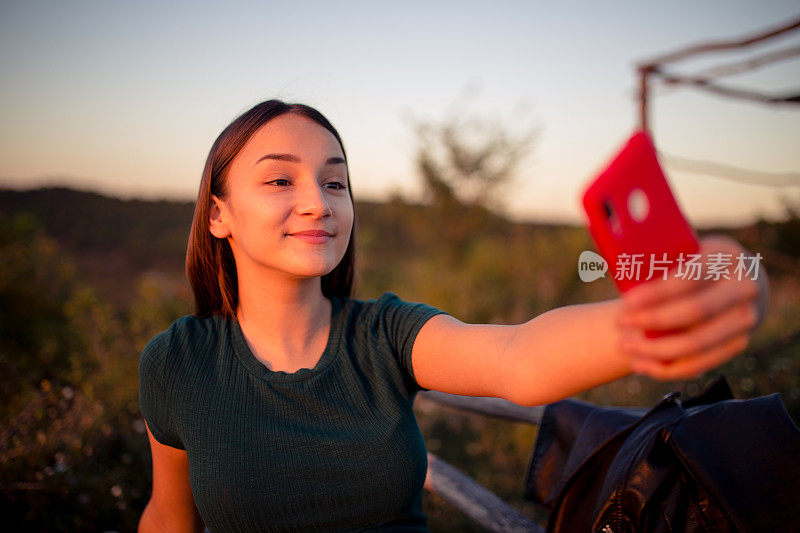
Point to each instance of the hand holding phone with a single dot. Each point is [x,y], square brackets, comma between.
[634,219]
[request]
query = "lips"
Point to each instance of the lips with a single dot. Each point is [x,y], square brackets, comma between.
[312,233]
[313,236]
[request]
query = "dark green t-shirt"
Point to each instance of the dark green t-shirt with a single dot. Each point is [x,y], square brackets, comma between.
[333,448]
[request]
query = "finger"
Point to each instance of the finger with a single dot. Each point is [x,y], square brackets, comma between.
[717,242]
[721,327]
[687,310]
[691,367]
[659,290]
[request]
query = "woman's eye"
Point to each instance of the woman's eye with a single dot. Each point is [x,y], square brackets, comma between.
[336,185]
[279,182]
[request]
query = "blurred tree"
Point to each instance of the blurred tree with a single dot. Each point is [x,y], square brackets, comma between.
[465,162]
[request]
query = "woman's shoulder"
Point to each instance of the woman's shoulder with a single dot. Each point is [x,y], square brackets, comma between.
[387,298]
[186,333]
[366,308]
[388,308]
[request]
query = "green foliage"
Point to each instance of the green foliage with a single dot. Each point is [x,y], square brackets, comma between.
[150,233]
[67,427]
[159,302]
[73,450]
[37,299]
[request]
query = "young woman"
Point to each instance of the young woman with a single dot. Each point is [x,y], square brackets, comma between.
[284,404]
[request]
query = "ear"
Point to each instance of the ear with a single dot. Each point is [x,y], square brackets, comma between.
[217,220]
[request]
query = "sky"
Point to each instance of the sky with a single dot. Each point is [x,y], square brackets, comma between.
[126,98]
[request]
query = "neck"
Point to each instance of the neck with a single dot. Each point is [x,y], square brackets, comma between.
[285,320]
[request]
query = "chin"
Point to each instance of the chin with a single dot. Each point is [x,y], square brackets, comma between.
[314,271]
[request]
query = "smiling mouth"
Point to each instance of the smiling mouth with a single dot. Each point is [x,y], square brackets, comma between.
[312,236]
[311,233]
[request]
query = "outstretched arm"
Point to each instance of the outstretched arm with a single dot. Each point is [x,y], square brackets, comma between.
[552,356]
[574,348]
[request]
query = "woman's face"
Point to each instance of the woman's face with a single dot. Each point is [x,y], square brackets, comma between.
[288,208]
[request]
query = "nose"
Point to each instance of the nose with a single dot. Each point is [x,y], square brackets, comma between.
[311,201]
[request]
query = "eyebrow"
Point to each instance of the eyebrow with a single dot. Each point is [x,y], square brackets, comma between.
[294,159]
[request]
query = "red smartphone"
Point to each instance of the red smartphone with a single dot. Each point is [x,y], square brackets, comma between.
[634,219]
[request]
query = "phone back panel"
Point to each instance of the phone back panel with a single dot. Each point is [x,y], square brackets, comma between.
[631,210]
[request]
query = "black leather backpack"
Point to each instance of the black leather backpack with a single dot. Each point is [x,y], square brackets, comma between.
[711,463]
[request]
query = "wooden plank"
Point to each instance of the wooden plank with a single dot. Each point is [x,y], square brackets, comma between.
[496,407]
[475,501]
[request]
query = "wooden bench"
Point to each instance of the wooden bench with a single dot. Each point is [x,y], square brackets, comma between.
[461,491]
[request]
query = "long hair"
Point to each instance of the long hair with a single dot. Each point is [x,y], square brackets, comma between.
[210,264]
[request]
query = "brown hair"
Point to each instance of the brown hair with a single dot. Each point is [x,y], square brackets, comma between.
[210,264]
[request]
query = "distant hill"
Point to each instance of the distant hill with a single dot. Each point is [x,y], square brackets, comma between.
[151,231]
[112,241]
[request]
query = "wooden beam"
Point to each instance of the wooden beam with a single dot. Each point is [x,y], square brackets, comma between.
[496,407]
[723,45]
[478,503]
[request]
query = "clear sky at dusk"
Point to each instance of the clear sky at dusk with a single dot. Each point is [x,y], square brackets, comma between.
[127,97]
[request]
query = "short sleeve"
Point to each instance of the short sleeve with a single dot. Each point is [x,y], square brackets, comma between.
[154,401]
[400,322]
